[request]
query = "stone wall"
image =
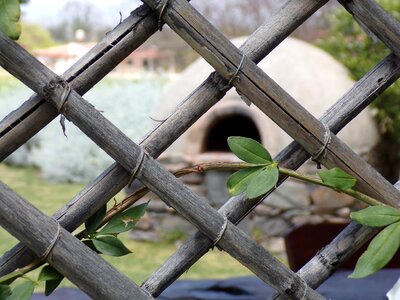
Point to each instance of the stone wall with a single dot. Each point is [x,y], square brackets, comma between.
[292,204]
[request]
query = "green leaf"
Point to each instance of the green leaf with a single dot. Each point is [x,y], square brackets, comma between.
[124,221]
[51,285]
[376,216]
[249,150]
[49,273]
[337,178]
[89,243]
[52,277]
[263,182]
[22,291]
[5,291]
[238,181]
[10,13]
[380,251]
[94,221]
[110,245]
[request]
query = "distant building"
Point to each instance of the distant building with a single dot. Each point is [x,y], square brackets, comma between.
[146,60]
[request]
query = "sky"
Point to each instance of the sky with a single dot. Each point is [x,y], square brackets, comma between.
[47,12]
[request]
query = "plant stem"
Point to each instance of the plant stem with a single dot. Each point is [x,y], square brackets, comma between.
[200,168]
[359,196]
[137,195]
[7,279]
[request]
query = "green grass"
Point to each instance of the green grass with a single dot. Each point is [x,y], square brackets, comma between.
[146,257]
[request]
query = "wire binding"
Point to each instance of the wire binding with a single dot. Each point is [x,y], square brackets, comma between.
[50,248]
[305,291]
[322,152]
[236,74]
[221,232]
[137,167]
[160,21]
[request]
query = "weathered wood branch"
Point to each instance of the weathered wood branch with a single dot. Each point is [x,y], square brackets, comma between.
[148,171]
[342,112]
[69,256]
[23,123]
[111,181]
[271,98]
[376,20]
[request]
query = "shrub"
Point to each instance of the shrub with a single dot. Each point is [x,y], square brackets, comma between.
[128,104]
[359,53]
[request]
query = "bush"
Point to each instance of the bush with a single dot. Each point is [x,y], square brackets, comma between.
[359,53]
[127,104]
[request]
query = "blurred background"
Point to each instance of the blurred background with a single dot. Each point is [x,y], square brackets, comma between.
[318,64]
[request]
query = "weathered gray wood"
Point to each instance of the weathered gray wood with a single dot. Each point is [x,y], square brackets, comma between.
[151,173]
[270,97]
[381,23]
[35,113]
[274,30]
[329,258]
[69,256]
[342,112]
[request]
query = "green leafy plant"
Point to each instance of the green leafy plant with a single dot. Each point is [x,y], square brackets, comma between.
[100,234]
[22,291]
[260,174]
[10,13]
[349,42]
[384,245]
[256,176]
[104,239]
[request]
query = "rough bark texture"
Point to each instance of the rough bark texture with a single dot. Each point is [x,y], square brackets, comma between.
[84,267]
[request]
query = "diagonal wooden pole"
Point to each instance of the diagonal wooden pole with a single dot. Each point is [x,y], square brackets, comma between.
[151,173]
[63,251]
[113,179]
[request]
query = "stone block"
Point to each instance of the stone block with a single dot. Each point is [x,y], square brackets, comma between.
[290,195]
[328,198]
[272,226]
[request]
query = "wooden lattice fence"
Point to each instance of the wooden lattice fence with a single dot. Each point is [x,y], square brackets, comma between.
[48,237]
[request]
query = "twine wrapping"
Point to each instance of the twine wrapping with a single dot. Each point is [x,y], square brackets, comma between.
[236,74]
[322,152]
[137,167]
[221,232]
[160,22]
[53,242]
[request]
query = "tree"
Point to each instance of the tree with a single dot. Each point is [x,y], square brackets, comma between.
[78,15]
[242,17]
[34,36]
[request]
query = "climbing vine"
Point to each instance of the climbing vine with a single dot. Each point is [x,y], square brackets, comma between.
[255,177]
[100,234]
[261,174]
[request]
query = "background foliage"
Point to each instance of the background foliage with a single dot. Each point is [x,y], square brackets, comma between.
[359,53]
[76,158]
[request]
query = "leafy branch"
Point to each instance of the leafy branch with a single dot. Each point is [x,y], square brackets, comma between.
[257,175]
[10,12]
[100,234]
[262,174]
